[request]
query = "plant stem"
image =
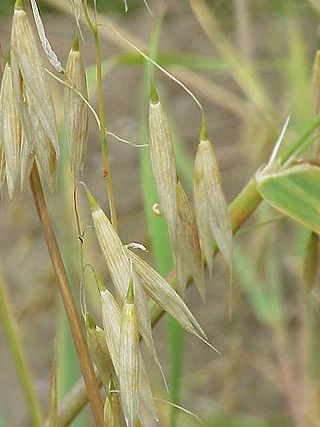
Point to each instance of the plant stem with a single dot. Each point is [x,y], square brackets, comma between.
[103,134]
[17,352]
[90,380]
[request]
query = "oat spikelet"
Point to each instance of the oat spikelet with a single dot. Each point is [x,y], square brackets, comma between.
[164,295]
[98,349]
[111,316]
[10,130]
[129,359]
[28,72]
[210,204]
[76,110]
[163,163]
[190,255]
[118,263]
[109,420]
[2,167]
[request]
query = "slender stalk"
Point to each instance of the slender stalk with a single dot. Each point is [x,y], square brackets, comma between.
[18,355]
[103,134]
[240,209]
[90,380]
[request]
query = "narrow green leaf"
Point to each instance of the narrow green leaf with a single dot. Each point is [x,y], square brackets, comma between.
[295,193]
[158,231]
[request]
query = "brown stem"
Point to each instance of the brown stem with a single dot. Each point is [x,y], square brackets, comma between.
[90,381]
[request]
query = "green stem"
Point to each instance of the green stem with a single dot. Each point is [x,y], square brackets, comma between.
[103,134]
[17,352]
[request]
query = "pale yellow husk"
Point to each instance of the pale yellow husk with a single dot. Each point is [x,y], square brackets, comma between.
[109,420]
[111,317]
[10,130]
[76,112]
[164,295]
[163,165]
[210,204]
[99,351]
[188,246]
[129,370]
[118,263]
[27,65]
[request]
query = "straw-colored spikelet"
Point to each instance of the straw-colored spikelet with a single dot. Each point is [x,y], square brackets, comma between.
[111,317]
[109,420]
[190,256]
[119,267]
[163,163]
[210,204]
[28,72]
[129,359]
[76,110]
[164,295]
[2,167]
[98,349]
[10,129]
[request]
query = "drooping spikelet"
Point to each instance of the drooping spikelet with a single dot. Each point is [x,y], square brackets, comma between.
[188,244]
[27,65]
[33,99]
[98,349]
[129,359]
[76,110]
[111,316]
[163,163]
[210,204]
[10,130]
[164,295]
[118,263]
[2,167]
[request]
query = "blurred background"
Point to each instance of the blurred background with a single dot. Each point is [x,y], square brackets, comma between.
[250,64]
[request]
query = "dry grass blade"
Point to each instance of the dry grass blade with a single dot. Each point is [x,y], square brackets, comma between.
[188,244]
[211,207]
[10,129]
[129,369]
[118,263]
[76,110]
[164,295]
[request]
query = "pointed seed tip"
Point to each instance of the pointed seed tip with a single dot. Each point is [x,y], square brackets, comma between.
[18,4]
[92,201]
[203,129]
[90,323]
[153,93]
[130,293]
[75,46]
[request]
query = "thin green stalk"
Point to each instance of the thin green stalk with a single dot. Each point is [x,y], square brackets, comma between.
[103,134]
[240,209]
[18,355]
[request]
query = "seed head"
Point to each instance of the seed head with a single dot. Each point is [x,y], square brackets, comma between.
[117,259]
[33,98]
[210,204]
[99,350]
[76,110]
[129,360]
[188,247]
[163,162]
[10,130]
[164,295]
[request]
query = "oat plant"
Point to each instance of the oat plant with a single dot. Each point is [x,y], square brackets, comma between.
[189,219]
